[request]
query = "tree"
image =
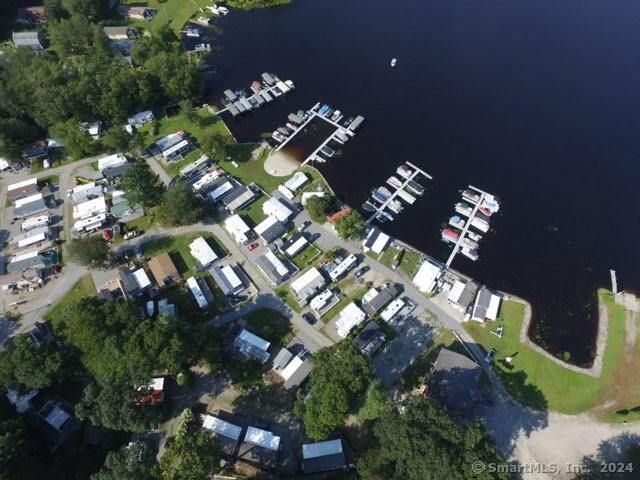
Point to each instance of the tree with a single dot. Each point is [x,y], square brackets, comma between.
[13,134]
[141,185]
[320,207]
[132,462]
[185,423]
[54,10]
[117,139]
[350,225]
[180,206]
[92,9]
[216,146]
[77,142]
[36,367]
[175,75]
[340,375]
[13,443]
[76,35]
[375,401]
[90,251]
[425,442]
[189,112]
[193,456]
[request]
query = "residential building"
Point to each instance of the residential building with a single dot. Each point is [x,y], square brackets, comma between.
[196,167]
[90,208]
[227,433]
[219,189]
[323,302]
[200,291]
[166,309]
[140,118]
[275,208]
[238,198]
[33,40]
[327,456]
[269,229]
[163,270]
[370,339]
[26,188]
[227,280]
[260,447]
[350,317]
[376,241]
[293,370]
[307,284]
[151,394]
[295,244]
[296,181]
[54,422]
[486,305]
[32,260]
[378,299]
[142,279]
[111,161]
[121,33]
[427,276]
[238,229]
[343,267]
[30,206]
[273,268]
[202,252]
[462,294]
[392,309]
[252,346]
[454,382]
[84,192]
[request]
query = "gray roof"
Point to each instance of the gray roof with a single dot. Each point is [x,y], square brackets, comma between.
[43,260]
[282,359]
[468,294]
[113,172]
[274,231]
[388,293]
[454,381]
[221,281]
[269,270]
[325,463]
[31,208]
[482,304]
[238,197]
[34,40]
[299,375]
[370,339]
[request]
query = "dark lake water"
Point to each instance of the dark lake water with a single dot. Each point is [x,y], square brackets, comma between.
[537,101]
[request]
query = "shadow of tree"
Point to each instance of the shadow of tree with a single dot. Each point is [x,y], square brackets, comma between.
[617,457]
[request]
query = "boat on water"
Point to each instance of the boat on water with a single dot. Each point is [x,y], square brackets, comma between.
[384,191]
[457,222]
[368,207]
[471,195]
[328,151]
[394,61]
[291,126]
[404,171]
[395,206]
[378,197]
[284,131]
[278,137]
[192,32]
[474,236]
[467,242]
[470,253]
[289,83]
[450,235]
[463,208]
[385,215]
[348,122]
[480,223]
[489,204]
[336,115]
[256,86]
[415,187]
[394,182]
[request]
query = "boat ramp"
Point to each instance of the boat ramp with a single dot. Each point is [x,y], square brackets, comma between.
[384,199]
[262,92]
[474,210]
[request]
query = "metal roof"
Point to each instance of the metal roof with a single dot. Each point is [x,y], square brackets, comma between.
[221,427]
[262,438]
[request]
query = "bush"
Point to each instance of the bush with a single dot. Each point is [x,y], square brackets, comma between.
[185,379]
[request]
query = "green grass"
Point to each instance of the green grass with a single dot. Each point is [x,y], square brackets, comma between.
[270,325]
[174,167]
[289,298]
[388,255]
[178,248]
[145,222]
[251,4]
[344,301]
[410,263]
[176,12]
[82,289]
[252,213]
[251,170]
[166,125]
[50,179]
[306,257]
[539,382]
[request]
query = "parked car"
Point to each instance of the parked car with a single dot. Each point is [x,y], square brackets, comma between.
[490,357]
[303,226]
[253,246]
[361,272]
[132,234]
[310,319]
[106,234]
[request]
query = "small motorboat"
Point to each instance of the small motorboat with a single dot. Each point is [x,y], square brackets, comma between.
[367,207]
[394,182]
[393,62]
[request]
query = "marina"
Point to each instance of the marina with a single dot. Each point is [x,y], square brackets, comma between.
[343,131]
[240,101]
[474,211]
[388,199]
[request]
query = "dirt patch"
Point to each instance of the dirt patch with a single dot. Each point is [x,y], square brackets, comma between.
[280,164]
[631,328]
[623,392]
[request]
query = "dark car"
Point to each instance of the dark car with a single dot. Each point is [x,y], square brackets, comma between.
[490,357]
[361,272]
[309,318]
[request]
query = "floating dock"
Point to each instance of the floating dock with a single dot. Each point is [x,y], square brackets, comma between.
[399,192]
[237,104]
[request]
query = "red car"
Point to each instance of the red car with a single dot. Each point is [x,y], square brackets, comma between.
[253,246]
[106,234]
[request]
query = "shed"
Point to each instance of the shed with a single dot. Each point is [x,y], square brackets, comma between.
[202,252]
[323,457]
[33,40]
[163,269]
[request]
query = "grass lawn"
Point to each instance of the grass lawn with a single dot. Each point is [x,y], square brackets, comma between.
[145,222]
[270,325]
[197,131]
[178,248]
[289,298]
[82,289]
[251,170]
[176,12]
[344,301]
[388,255]
[410,263]
[252,213]
[541,383]
[306,257]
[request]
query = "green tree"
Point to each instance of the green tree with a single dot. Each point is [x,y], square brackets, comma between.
[54,10]
[193,456]
[339,377]
[141,185]
[425,442]
[92,9]
[14,446]
[320,207]
[177,77]
[185,423]
[375,401]
[90,251]
[76,35]
[350,226]
[77,142]
[117,139]
[180,206]
[7,370]
[134,461]
[36,367]
[189,112]
[216,146]
[14,133]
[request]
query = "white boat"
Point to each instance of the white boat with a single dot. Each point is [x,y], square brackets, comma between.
[471,196]
[278,137]
[480,224]
[151,308]
[463,209]
[384,191]
[393,62]
[404,171]
[395,206]
[385,215]
[336,115]
[457,222]
[474,236]
[289,83]
[394,182]
[470,253]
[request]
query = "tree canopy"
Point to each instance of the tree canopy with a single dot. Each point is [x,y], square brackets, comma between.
[180,206]
[35,366]
[320,207]
[375,401]
[131,462]
[141,185]
[216,146]
[425,442]
[350,226]
[92,251]
[340,375]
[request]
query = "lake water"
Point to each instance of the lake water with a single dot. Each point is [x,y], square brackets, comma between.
[536,101]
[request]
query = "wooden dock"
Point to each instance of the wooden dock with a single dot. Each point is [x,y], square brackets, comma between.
[467,225]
